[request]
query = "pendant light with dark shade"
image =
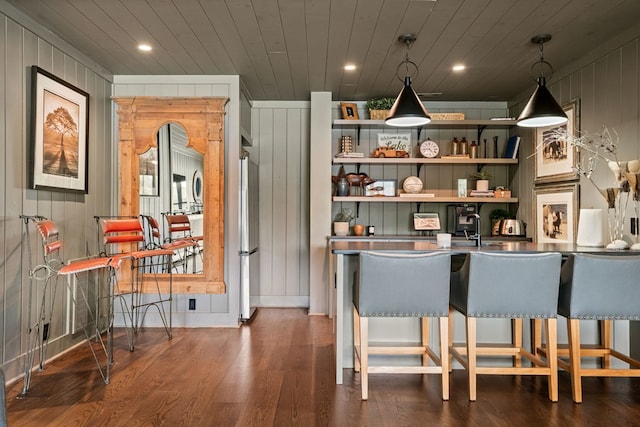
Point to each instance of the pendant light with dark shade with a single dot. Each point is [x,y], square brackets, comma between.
[541,109]
[408,110]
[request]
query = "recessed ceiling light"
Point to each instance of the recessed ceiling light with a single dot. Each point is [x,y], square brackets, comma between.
[144,47]
[459,67]
[350,67]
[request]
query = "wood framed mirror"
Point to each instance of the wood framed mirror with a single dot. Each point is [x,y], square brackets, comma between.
[139,119]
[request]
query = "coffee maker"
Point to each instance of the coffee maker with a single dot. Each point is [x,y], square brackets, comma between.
[460,218]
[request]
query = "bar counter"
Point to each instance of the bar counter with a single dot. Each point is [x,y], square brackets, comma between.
[341,247]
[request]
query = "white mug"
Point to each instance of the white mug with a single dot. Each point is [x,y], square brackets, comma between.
[443,240]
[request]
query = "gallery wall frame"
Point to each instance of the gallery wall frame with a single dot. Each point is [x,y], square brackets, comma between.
[59,134]
[556,160]
[556,207]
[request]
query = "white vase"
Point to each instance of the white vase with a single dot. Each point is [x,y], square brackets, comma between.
[482,184]
[341,228]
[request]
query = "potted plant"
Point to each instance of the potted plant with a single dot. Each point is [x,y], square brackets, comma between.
[379,107]
[341,222]
[482,180]
[496,216]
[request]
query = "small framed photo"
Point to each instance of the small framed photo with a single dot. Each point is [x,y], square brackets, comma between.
[349,111]
[556,160]
[59,133]
[426,221]
[556,217]
[382,187]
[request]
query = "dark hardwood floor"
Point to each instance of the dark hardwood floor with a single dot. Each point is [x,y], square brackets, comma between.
[279,371]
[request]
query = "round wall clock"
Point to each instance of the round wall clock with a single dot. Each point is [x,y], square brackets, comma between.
[429,148]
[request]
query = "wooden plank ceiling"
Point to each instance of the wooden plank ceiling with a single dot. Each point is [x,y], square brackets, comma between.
[284,49]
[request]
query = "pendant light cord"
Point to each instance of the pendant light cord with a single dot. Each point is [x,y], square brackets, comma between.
[408,40]
[541,40]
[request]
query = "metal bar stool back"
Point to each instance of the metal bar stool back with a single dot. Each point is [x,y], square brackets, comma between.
[42,294]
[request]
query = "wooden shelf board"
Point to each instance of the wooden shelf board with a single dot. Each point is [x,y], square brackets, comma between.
[379,199]
[434,123]
[420,160]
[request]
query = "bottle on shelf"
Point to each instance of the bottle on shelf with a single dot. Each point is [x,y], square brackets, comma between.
[463,146]
[473,150]
[455,146]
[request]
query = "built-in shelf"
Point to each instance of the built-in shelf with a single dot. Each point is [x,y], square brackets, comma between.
[420,160]
[421,199]
[470,124]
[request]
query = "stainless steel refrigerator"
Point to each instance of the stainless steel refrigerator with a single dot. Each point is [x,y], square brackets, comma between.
[249,235]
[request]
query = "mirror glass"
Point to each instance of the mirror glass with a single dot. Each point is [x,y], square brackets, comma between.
[176,164]
[149,173]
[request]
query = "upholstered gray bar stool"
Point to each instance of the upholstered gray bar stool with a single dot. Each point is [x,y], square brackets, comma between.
[598,287]
[514,286]
[402,285]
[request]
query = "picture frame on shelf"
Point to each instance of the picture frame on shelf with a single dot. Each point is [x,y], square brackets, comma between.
[556,207]
[426,221]
[400,141]
[59,134]
[382,188]
[349,111]
[556,161]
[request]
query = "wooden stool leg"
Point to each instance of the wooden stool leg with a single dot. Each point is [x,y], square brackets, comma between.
[516,340]
[605,342]
[573,328]
[471,356]
[364,357]
[424,328]
[552,357]
[536,336]
[444,356]
[450,333]
[356,340]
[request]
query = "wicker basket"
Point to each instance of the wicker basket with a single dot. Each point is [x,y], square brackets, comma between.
[378,114]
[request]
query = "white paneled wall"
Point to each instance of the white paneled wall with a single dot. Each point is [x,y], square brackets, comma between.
[281,132]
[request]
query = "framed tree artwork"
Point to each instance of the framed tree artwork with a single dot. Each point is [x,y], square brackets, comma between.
[59,134]
[556,160]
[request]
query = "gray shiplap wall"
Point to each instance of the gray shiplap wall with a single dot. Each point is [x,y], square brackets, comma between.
[607,87]
[20,48]
[280,131]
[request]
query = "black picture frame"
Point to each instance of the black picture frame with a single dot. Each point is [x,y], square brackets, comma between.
[59,134]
